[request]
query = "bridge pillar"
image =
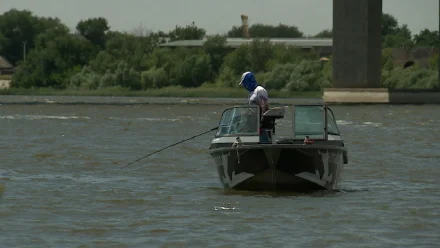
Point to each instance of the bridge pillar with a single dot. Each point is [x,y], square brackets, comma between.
[357,45]
[357,49]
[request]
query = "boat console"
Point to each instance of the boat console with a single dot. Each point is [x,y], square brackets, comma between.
[268,123]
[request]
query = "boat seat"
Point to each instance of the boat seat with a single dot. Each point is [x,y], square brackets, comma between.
[276,113]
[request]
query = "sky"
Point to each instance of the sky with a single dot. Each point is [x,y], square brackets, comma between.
[218,16]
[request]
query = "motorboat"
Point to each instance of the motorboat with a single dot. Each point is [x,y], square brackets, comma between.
[249,155]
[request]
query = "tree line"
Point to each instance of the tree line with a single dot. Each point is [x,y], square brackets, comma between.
[94,56]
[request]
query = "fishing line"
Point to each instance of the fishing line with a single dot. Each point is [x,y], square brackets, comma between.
[192,137]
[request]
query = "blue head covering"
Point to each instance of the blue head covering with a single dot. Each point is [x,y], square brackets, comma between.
[248,81]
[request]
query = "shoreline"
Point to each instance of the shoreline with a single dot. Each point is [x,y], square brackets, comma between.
[342,96]
[140,100]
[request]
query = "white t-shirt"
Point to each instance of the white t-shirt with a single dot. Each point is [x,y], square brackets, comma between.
[259,97]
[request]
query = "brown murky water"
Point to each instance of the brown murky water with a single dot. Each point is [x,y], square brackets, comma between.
[61,185]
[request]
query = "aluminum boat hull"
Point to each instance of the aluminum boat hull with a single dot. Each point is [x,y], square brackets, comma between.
[292,167]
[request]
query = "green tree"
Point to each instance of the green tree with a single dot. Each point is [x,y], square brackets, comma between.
[97,57]
[215,46]
[228,77]
[235,32]
[427,38]
[326,33]
[238,61]
[18,27]
[307,76]
[194,71]
[57,56]
[401,37]
[154,78]
[288,54]
[412,77]
[389,25]
[165,58]
[128,77]
[86,79]
[279,76]
[260,30]
[94,29]
[303,76]
[387,59]
[108,80]
[171,61]
[404,32]
[189,32]
[124,47]
[260,53]
[280,31]
[3,41]
[254,56]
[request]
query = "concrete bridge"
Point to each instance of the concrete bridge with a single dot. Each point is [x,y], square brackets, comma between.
[357,55]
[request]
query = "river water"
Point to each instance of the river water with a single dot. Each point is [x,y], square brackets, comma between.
[61,184]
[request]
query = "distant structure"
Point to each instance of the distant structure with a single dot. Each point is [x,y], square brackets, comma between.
[407,56]
[323,47]
[6,68]
[237,42]
[245,26]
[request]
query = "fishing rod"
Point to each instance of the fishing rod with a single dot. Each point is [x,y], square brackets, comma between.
[192,137]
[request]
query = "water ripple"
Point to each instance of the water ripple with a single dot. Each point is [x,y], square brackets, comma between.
[61,184]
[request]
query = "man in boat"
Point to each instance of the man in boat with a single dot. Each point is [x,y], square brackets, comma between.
[257,94]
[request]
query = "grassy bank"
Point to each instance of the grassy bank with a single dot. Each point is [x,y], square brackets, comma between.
[174,91]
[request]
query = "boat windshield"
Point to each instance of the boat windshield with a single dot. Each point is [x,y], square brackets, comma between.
[309,121]
[332,127]
[239,120]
